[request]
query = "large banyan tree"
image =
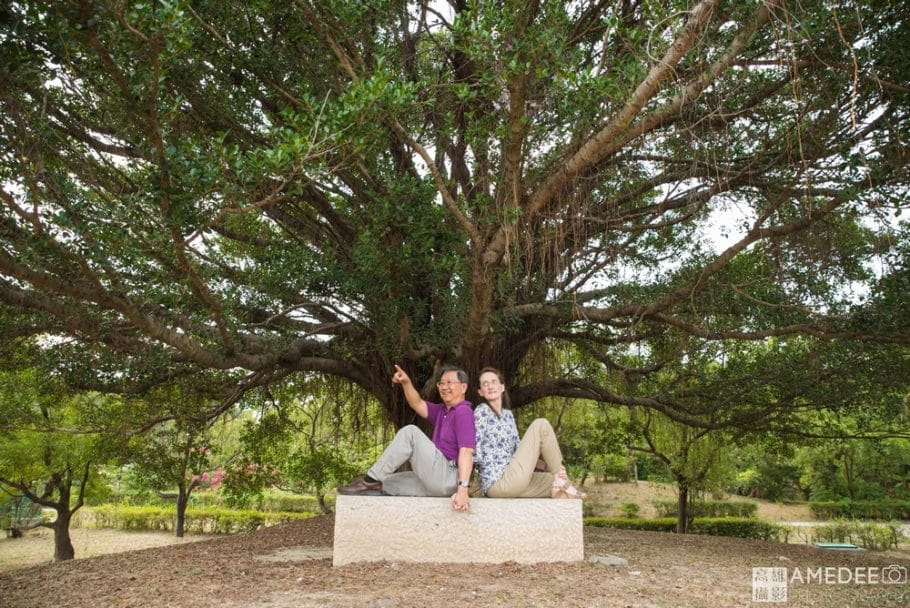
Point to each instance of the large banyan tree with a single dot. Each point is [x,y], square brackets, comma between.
[574,192]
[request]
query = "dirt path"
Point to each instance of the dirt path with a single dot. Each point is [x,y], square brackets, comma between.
[36,547]
[289,566]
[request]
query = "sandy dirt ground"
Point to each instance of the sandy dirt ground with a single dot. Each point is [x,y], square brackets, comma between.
[289,566]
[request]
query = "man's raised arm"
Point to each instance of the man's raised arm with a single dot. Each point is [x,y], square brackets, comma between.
[410,393]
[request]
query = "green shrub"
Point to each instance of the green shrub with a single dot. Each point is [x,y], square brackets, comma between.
[886,509]
[210,520]
[708,508]
[744,482]
[592,507]
[876,537]
[663,524]
[269,500]
[740,527]
[629,509]
[294,503]
[205,500]
[664,507]
[840,531]
[613,466]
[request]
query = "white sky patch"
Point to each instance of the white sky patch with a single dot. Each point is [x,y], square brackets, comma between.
[728,222]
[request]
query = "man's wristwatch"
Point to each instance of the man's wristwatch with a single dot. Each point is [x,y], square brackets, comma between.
[464,484]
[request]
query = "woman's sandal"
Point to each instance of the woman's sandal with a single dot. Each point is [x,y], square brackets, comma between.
[563,489]
[568,491]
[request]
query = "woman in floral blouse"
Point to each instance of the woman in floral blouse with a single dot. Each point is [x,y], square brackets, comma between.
[507,465]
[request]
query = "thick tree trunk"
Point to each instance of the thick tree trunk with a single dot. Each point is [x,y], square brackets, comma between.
[682,510]
[63,545]
[183,498]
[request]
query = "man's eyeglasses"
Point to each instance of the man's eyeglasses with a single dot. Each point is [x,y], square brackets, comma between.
[488,383]
[442,384]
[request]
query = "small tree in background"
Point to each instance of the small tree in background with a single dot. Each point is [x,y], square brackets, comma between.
[695,458]
[174,456]
[766,468]
[41,457]
[317,468]
[856,469]
[593,440]
[306,443]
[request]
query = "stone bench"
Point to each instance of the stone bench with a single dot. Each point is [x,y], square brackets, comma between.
[495,530]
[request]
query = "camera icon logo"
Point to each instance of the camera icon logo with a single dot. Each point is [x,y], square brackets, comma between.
[894,574]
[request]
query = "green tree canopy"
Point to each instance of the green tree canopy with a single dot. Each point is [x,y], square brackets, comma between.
[54,469]
[274,188]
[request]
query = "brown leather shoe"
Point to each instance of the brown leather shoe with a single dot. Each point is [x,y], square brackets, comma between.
[361,487]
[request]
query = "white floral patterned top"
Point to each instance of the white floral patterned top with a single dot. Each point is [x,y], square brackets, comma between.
[497,440]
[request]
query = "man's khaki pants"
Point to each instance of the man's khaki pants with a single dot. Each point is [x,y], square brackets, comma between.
[519,480]
[431,474]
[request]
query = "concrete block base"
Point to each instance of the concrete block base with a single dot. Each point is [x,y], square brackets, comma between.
[495,530]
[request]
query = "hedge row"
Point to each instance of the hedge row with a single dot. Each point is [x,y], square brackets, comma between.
[877,537]
[862,509]
[207,520]
[708,508]
[740,527]
[270,501]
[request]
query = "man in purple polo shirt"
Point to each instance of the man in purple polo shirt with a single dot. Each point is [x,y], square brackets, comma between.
[439,467]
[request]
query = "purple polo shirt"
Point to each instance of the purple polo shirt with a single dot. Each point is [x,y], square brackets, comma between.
[452,428]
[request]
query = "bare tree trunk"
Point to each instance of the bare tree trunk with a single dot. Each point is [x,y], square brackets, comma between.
[61,483]
[682,509]
[850,473]
[63,544]
[320,496]
[183,498]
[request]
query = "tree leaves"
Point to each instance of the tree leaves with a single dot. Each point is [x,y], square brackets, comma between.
[333,187]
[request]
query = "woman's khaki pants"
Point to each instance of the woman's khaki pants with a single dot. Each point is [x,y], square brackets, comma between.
[519,480]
